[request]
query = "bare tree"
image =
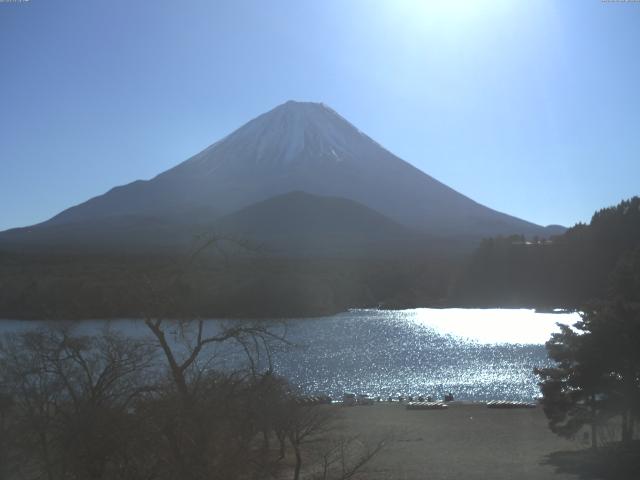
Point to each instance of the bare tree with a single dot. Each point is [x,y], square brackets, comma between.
[199,440]
[305,423]
[71,398]
[345,457]
[209,417]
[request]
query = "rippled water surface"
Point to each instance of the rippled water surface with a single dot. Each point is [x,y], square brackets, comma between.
[475,354]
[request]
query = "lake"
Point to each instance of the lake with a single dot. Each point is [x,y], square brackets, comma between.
[477,354]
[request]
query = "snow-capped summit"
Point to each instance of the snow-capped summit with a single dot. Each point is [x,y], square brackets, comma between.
[290,133]
[307,147]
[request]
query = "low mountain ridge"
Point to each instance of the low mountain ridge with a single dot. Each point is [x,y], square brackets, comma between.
[300,223]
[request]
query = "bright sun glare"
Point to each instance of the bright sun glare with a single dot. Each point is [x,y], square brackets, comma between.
[449,13]
[494,326]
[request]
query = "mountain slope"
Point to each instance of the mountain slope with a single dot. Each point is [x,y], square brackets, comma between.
[124,233]
[295,223]
[300,147]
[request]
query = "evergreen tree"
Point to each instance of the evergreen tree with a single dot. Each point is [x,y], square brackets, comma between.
[597,371]
[573,390]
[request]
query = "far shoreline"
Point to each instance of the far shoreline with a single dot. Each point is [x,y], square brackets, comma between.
[294,316]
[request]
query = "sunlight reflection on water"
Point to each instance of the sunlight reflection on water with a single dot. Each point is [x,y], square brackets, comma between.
[475,354]
[491,326]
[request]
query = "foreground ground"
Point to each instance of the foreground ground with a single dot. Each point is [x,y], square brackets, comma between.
[466,441]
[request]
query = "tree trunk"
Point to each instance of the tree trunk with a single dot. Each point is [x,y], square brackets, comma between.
[47,460]
[628,426]
[281,441]
[296,473]
[594,421]
[625,427]
[176,370]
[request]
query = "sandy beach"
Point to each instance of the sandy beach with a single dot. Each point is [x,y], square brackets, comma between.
[465,441]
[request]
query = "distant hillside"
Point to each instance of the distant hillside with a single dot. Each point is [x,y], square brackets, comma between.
[570,270]
[80,286]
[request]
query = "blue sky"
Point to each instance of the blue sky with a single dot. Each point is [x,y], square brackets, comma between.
[529,107]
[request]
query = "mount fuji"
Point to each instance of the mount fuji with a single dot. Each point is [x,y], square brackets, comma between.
[296,147]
